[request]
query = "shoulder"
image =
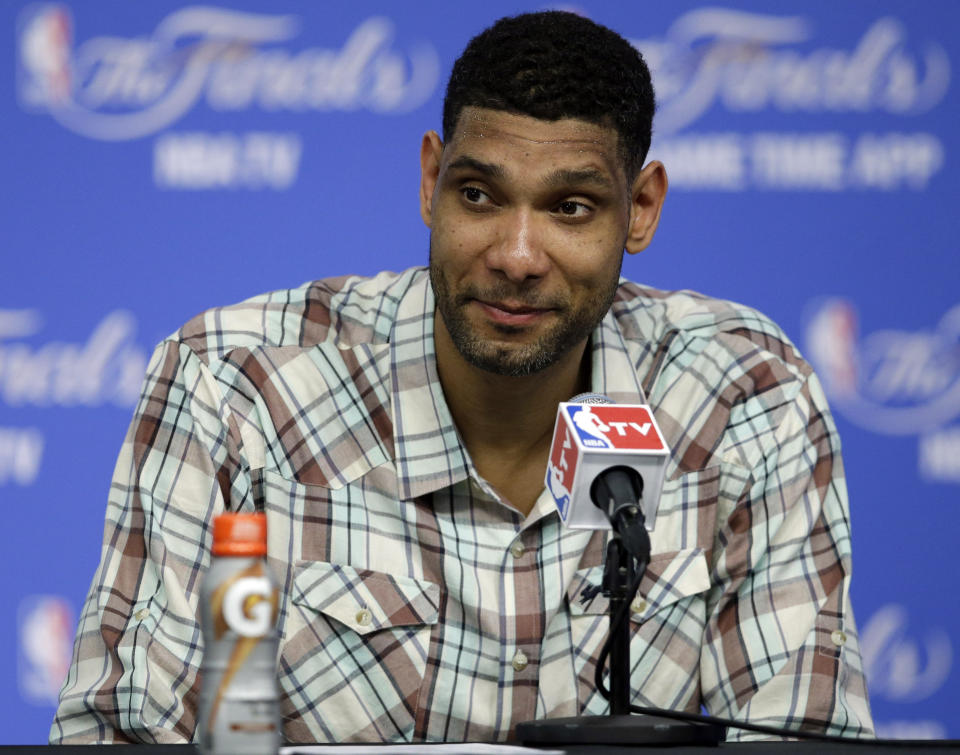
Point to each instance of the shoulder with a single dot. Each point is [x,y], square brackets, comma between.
[717,369]
[655,316]
[347,310]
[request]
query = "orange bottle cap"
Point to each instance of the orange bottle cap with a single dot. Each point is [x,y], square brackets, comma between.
[240,535]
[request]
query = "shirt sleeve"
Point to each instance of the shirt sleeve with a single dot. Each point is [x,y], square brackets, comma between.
[781,647]
[133,677]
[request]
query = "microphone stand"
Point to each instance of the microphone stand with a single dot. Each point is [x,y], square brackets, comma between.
[619,574]
[627,556]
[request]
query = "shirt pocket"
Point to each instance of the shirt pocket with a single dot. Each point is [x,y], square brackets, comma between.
[354,653]
[666,625]
[669,578]
[365,600]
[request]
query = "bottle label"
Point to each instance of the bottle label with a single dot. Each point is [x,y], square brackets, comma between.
[247,608]
[246,604]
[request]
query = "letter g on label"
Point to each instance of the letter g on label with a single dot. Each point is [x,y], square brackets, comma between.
[246,606]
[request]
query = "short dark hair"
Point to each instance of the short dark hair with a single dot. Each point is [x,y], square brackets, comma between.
[554,65]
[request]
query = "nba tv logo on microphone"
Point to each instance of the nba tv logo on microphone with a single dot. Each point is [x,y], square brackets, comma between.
[590,438]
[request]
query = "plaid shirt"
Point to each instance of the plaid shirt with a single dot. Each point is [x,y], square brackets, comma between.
[416,604]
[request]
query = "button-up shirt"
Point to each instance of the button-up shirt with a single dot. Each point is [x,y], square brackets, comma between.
[418,604]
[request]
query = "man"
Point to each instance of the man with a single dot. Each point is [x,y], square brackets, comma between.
[396,431]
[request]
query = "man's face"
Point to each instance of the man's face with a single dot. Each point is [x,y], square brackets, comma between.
[528,223]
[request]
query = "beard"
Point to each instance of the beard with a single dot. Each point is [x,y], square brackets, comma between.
[571,326]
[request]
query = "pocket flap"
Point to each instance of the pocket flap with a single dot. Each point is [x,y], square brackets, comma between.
[364,600]
[669,578]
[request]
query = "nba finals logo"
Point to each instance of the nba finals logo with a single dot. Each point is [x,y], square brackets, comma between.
[117,88]
[893,382]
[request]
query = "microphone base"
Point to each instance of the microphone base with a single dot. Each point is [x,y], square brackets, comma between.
[618,730]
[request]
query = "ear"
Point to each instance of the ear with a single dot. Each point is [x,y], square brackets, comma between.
[431,152]
[648,192]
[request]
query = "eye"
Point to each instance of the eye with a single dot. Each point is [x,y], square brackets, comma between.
[572,209]
[473,195]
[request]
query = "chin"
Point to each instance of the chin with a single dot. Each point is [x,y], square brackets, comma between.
[510,359]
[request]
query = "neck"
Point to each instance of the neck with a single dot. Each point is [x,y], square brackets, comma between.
[502,417]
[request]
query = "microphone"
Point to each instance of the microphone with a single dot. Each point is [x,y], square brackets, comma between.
[606,471]
[606,466]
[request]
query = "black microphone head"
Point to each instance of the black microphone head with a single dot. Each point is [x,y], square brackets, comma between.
[590,398]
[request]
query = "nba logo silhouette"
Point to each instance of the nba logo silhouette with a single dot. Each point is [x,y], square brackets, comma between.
[44,59]
[45,639]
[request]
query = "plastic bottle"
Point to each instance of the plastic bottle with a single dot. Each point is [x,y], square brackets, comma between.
[239,701]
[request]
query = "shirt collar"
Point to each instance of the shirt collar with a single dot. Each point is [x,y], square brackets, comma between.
[613,371]
[428,452]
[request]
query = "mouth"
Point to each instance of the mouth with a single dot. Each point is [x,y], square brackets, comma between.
[512,313]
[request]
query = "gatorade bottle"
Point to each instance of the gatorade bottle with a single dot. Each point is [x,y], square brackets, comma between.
[239,709]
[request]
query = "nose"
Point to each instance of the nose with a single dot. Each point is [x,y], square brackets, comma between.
[518,252]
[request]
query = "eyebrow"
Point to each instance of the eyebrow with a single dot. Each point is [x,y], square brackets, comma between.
[560,177]
[566,177]
[464,162]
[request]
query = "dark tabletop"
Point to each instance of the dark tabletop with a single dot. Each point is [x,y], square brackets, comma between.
[752,748]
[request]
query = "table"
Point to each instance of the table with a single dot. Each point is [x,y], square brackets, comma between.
[901,747]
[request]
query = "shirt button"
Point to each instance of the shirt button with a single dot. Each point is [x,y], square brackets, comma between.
[520,661]
[516,550]
[638,606]
[363,617]
[838,637]
[141,614]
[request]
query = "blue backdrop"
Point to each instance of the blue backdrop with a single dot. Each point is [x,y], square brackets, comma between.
[160,158]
